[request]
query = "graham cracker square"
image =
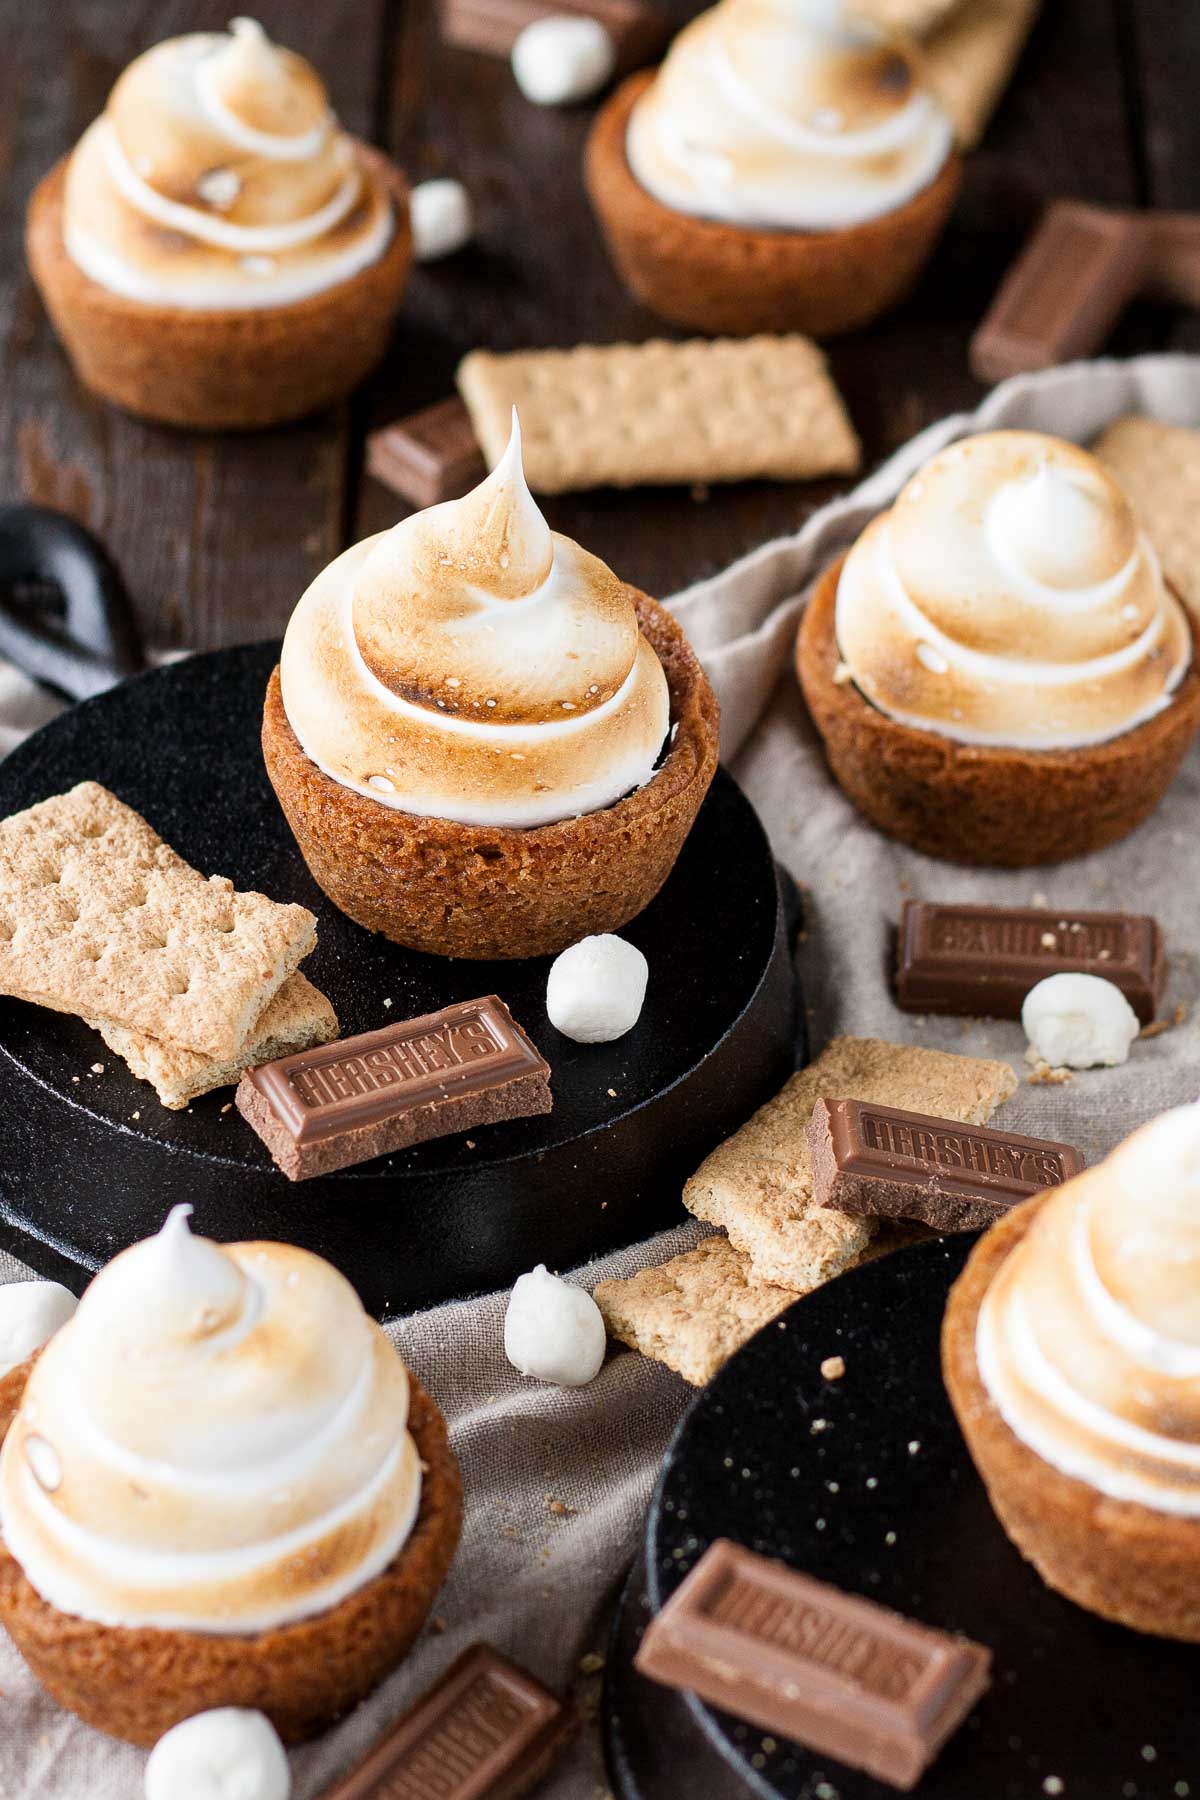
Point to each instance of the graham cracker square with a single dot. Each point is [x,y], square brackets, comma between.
[1159,468]
[100,918]
[758,1184]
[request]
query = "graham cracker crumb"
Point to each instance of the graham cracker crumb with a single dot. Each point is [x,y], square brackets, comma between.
[833,1368]
[1042,1075]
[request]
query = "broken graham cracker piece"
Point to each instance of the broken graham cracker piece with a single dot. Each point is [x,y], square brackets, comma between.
[758,1184]
[624,415]
[298,1017]
[693,1312]
[100,918]
[970,56]
[1159,468]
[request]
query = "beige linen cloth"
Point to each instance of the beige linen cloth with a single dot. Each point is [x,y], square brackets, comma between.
[557,1482]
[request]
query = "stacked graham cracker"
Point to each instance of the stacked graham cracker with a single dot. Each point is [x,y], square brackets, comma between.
[185,978]
[693,1312]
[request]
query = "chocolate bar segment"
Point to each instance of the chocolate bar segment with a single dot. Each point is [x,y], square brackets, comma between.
[486,1731]
[429,457]
[840,1675]
[637,30]
[984,959]
[342,1103]
[1066,291]
[882,1163]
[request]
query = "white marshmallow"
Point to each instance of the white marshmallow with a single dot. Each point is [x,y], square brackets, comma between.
[1079,1021]
[596,989]
[218,1755]
[553,1331]
[30,1314]
[442,220]
[561,59]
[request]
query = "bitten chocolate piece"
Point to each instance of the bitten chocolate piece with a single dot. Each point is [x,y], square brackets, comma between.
[638,31]
[840,1675]
[881,1163]
[343,1103]
[486,1731]
[1065,292]
[984,959]
[429,457]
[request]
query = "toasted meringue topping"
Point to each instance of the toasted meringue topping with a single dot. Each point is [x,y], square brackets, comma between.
[1008,597]
[471,664]
[215,1442]
[788,114]
[218,177]
[1089,1335]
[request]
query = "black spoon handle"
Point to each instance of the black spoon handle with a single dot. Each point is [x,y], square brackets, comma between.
[96,643]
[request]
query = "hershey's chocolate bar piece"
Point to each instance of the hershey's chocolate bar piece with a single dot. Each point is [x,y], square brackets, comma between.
[888,1164]
[983,960]
[843,1676]
[638,31]
[486,1731]
[1065,292]
[431,456]
[342,1103]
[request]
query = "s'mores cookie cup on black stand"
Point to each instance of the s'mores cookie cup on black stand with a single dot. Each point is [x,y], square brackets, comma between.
[1071,1351]
[221,1488]
[486,743]
[786,169]
[216,252]
[999,670]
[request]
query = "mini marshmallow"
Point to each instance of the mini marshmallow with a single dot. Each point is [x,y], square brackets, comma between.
[563,58]
[596,989]
[30,1314]
[553,1331]
[1079,1021]
[442,220]
[216,1755]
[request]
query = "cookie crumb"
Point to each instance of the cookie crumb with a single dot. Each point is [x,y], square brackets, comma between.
[833,1368]
[437,1623]
[591,1664]
[1042,1075]
[97,1068]
[559,1508]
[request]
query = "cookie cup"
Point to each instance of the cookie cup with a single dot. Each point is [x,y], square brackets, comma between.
[981,804]
[1126,1562]
[482,892]
[220,369]
[136,1682]
[718,278]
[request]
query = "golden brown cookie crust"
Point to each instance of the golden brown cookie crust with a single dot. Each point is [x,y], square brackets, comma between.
[135,1683]
[718,278]
[976,803]
[483,892]
[234,369]
[1123,1561]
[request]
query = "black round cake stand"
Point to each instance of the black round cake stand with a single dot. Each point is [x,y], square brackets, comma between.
[90,1162]
[866,1483]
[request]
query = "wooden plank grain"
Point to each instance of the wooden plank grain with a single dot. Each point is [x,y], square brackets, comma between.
[538,273]
[1162,43]
[218,535]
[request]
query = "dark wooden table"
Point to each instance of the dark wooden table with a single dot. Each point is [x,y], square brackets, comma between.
[219,535]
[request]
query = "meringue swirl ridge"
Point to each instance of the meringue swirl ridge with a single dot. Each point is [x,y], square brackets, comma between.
[1008,598]
[787,114]
[217,177]
[1088,1339]
[216,1442]
[472,665]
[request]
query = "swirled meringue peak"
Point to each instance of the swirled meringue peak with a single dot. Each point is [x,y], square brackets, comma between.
[217,177]
[1089,1335]
[471,664]
[1009,598]
[217,1441]
[787,114]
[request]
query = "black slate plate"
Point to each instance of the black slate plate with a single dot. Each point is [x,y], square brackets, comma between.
[90,1163]
[1108,1714]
